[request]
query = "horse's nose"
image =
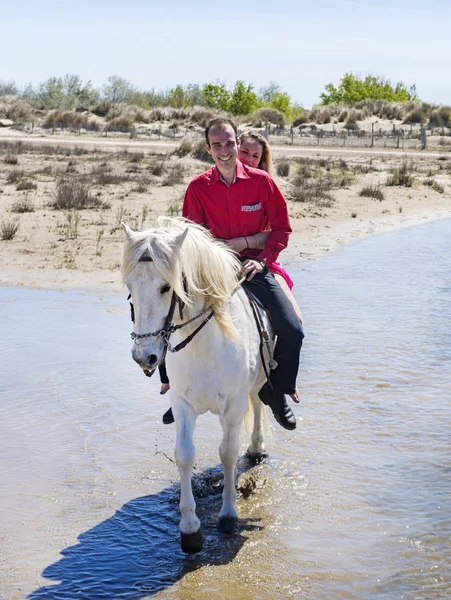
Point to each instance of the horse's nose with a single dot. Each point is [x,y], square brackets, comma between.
[145,362]
[152,360]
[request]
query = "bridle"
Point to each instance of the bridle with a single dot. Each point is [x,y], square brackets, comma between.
[169,328]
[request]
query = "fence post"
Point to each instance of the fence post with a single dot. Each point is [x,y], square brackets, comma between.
[292,135]
[372,135]
[423,138]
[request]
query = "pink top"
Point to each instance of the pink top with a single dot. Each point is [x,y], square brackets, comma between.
[276,267]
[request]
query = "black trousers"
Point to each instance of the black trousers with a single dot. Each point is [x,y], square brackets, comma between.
[288,328]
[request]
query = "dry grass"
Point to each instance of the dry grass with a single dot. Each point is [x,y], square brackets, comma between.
[26,185]
[15,176]
[401,176]
[11,159]
[372,191]
[9,228]
[174,176]
[74,194]
[23,205]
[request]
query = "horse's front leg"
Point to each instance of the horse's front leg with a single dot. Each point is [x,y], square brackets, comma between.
[231,422]
[185,420]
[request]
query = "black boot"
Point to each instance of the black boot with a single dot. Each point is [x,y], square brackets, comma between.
[168,417]
[279,406]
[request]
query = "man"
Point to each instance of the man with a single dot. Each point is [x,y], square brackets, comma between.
[233,200]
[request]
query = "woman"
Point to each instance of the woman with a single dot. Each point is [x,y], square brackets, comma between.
[254,152]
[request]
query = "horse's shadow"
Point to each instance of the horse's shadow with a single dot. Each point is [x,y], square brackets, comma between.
[136,552]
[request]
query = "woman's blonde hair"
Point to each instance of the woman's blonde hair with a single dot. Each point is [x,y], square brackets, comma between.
[265,161]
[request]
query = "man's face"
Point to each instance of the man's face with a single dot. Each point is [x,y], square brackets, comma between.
[223,147]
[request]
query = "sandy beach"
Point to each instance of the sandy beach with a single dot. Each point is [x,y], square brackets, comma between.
[81,249]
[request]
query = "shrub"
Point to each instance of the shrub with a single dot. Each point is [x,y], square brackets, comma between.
[23,205]
[102,175]
[174,176]
[11,159]
[400,176]
[26,185]
[184,148]
[283,168]
[435,185]
[372,191]
[157,169]
[202,116]
[142,185]
[14,176]
[200,152]
[136,157]
[267,115]
[440,117]
[174,209]
[74,194]
[415,116]
[300,120]
[8,228]
[351,121]
[316,192]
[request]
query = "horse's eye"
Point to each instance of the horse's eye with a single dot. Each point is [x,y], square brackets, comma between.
[165,288]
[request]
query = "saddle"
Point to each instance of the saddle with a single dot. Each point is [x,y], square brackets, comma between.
[266,339]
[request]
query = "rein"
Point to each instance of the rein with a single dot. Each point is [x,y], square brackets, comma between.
[169,328]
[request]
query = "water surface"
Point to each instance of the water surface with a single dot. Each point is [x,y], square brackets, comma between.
[356,503]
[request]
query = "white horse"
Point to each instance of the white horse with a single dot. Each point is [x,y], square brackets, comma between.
[179,264]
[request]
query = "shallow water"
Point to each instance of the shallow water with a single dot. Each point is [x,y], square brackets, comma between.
[355,504]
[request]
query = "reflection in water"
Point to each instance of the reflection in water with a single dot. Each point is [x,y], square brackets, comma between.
[354,504]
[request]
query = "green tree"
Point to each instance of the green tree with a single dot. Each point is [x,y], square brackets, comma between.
[244,100]
[193,95]
[216,95]
[353,88]
[117,89]
[267,93]
[50,93]
[176,97]
[8,88]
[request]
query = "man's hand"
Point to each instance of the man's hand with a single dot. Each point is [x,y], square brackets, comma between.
[237,244]
[250,267]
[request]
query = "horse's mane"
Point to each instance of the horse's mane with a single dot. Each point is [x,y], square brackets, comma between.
[207,266]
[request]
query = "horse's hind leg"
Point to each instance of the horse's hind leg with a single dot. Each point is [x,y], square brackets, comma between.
[228,452]
[185,420]
[257,448]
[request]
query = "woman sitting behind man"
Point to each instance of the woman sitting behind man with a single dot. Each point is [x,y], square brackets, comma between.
[254,152]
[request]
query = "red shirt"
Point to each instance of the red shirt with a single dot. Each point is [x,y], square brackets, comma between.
[249,205]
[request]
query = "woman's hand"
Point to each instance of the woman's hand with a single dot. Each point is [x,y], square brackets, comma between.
[237,244]
[251,267]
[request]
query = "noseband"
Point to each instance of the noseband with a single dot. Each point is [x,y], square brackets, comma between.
[169,327]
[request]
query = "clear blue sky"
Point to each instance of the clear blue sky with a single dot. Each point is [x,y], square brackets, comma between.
[300,44]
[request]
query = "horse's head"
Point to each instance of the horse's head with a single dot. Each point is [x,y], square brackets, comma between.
[149,264]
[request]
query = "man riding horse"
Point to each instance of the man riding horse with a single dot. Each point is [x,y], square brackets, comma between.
[232,200]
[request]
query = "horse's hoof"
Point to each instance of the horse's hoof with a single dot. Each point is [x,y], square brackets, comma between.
[256,457]
[227,524]
[192,542]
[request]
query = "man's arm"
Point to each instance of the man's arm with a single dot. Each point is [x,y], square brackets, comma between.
[277,213]
[192,207]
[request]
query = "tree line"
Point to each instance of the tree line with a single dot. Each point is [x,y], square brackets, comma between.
[70,92]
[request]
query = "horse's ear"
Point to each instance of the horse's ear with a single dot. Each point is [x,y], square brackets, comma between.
[128,232]
[179,239]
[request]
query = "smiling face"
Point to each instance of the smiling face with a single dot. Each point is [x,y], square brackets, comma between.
[223,148]
[250,153]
